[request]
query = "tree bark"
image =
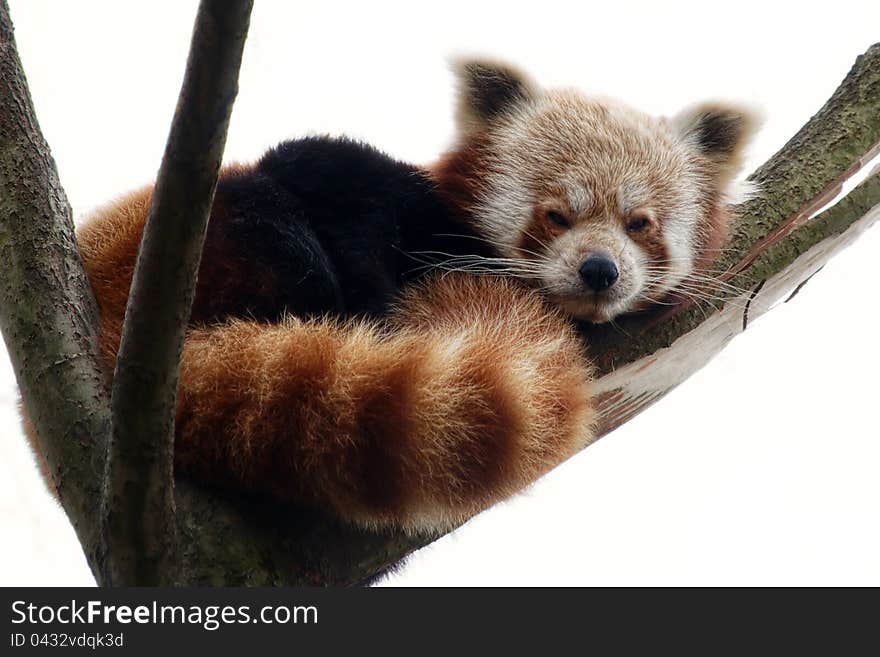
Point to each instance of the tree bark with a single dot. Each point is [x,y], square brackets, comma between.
[139,491]
[48,314]
[228,540]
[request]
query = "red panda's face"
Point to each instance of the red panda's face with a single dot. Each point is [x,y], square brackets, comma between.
[605,209]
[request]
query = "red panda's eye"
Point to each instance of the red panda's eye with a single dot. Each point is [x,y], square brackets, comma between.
[557,219]
[637,225]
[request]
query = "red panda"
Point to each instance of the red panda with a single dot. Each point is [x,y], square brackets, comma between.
[333,358]
[610,209]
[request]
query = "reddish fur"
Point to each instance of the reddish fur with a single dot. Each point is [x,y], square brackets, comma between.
[459,172]
[537,234]
[652,241]
[469,391]
[713,233]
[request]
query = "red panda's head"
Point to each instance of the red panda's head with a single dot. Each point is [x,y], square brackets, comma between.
[604,208]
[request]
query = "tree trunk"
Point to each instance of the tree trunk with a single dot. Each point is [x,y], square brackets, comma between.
[48,314]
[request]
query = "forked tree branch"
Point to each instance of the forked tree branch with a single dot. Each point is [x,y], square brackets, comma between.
[139,492]
[232,541]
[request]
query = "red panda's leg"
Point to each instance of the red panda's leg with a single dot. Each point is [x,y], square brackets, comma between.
[472,392]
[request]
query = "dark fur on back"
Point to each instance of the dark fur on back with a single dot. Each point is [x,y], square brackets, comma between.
[321,226]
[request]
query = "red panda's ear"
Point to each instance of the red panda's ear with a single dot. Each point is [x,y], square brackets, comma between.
[487,90]
[718,131]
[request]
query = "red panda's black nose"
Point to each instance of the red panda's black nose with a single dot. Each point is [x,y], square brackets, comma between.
[599,272]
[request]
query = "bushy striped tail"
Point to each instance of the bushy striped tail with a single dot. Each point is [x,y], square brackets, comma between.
[470,391]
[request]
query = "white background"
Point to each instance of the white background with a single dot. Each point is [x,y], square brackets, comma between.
[761,469]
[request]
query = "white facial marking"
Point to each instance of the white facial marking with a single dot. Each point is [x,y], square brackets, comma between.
[632,195]
[580,198]
[678,232]
[504,212]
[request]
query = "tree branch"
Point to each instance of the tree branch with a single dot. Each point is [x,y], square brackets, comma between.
[48,314]
[139,492]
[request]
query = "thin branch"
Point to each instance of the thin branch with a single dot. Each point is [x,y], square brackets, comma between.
[139,493]
[48,314]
